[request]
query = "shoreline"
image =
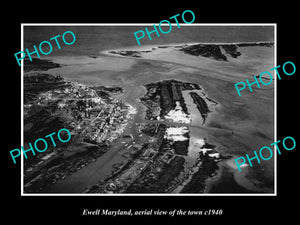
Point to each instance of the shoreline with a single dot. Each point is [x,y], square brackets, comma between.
[174,45]
[79,66]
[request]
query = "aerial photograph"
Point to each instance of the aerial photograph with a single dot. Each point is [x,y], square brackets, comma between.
[162,117]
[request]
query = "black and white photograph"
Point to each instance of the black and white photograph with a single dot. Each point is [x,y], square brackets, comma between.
[162,117]
[149,113]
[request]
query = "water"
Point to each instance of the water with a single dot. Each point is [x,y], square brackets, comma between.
[90,40]
[132,74]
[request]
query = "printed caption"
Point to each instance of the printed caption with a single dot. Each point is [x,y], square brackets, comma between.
[152,212]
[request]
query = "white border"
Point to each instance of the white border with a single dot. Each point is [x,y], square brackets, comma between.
[150,24]
[22,108]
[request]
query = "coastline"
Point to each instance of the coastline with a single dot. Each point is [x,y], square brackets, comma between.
[131,76]
[174,45]
[232,67]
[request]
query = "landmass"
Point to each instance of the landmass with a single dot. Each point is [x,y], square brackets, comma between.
[94,118]
[219,52]
[164,149]
[159,165]
[39,64]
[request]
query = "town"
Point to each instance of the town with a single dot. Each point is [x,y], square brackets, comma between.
[93,117]
[96,119]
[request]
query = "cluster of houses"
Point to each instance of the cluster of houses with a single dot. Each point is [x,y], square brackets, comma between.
[96,119]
